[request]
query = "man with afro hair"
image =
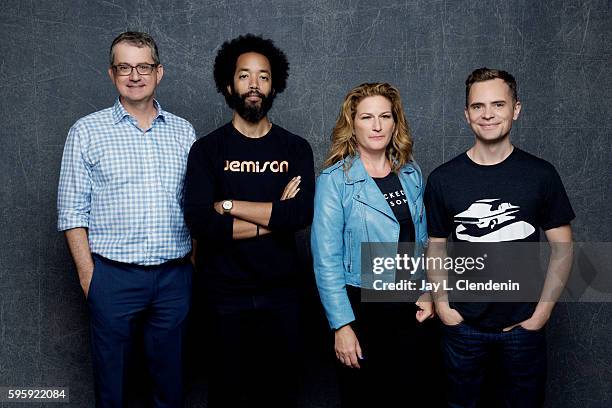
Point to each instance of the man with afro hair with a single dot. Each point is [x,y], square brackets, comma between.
[249,188]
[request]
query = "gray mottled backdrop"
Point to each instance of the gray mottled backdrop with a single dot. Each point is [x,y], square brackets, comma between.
[53,61]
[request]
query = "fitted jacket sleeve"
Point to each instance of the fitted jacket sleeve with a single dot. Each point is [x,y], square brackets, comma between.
[327,251]
[200,195]
[296,213]
[74,190]
[422,240]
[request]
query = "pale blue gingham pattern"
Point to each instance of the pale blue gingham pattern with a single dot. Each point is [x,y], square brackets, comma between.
[126,185]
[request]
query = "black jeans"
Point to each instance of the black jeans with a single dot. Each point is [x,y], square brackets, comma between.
[522,355]
[255,352]
[401,358]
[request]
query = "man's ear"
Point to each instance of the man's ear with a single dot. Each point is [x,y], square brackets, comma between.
[229,89]
[160,72]
[517,110]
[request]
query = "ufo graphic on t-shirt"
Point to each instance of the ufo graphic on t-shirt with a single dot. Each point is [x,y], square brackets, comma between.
[491,220]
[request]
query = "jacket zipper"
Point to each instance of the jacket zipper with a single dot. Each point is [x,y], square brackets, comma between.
[350,249]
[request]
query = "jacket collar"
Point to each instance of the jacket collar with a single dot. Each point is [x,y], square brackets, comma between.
[368,192]
[357,171]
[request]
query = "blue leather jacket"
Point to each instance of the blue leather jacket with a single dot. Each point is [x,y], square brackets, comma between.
[350,209]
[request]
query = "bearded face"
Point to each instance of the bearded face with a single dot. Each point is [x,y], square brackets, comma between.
[252,106]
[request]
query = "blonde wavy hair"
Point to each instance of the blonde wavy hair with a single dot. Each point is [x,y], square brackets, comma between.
[344,143]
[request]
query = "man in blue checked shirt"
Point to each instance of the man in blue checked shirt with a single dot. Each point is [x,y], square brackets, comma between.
[120,205]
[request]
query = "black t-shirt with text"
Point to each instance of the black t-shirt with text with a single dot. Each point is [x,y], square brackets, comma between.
[228,165]
[391,188]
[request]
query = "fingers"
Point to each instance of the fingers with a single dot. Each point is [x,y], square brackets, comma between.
[354,362]
[347,348]
[293,194]
[291,189]
[292,186]
[218,207]
[425,311]
[350,357]
[358,349]
[293,183]
[507,329]
[339,357]
[422,315]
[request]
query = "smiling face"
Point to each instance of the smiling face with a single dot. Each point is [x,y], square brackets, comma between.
[135,88]
[491,110]
[373,124]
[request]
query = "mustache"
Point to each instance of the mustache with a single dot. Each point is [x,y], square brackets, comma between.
[252,93]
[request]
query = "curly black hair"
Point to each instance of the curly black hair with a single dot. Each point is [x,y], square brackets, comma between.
[225,62]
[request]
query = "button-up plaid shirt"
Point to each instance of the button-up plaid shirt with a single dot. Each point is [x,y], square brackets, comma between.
[126,185]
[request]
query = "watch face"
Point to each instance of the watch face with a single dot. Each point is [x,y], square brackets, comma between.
[227,205]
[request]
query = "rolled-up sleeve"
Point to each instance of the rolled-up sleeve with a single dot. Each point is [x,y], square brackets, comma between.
[74,190]
[327,251]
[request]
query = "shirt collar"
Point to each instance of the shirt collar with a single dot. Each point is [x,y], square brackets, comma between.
[119,111]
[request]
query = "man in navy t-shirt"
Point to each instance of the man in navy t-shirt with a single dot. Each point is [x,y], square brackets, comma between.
[496,193]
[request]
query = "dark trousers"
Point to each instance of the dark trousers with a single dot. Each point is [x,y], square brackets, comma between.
[522,355]
[401,359]
[255,352]
[124,297]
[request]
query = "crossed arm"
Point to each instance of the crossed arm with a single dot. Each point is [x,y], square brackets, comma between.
[252,218]
[204,194]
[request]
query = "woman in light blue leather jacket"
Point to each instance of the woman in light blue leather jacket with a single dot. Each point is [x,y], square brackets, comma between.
[371,192]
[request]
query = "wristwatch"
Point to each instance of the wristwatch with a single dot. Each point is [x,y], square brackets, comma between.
[227,206]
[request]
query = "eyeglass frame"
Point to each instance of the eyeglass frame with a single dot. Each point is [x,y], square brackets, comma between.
[134,67]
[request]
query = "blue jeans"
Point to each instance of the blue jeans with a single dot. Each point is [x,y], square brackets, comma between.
[125,298]
[466,351]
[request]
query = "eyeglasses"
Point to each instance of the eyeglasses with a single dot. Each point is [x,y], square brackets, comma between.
[126,69]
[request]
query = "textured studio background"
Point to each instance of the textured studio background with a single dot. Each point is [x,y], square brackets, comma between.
[53,62]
